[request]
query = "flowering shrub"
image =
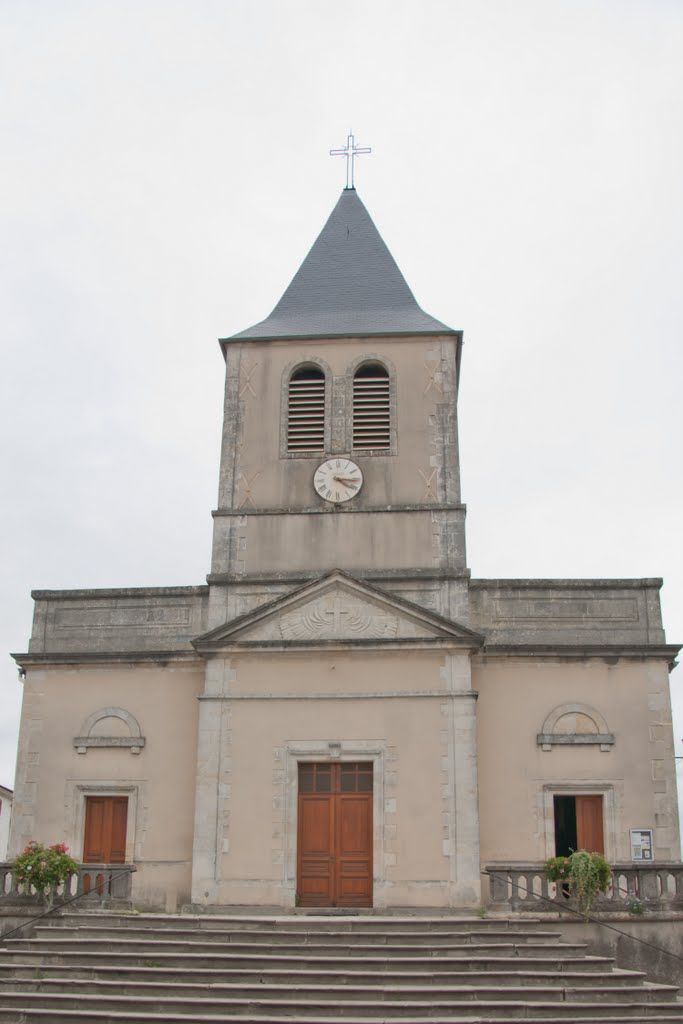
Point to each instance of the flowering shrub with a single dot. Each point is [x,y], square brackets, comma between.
[585,874]
[557,869]
[43,868]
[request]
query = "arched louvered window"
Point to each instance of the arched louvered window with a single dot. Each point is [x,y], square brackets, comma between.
[371,407]
[306,411]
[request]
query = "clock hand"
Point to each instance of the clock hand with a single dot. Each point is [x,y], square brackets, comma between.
[345,480]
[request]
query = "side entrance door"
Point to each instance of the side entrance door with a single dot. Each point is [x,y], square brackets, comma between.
[578,824]
[334,863]
[106,819]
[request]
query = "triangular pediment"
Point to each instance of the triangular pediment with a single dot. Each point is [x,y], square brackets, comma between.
[337,609]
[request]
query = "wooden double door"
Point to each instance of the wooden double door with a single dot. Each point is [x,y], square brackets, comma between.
[334,863]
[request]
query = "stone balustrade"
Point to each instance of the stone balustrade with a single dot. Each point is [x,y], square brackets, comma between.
[635,887]
[95,883]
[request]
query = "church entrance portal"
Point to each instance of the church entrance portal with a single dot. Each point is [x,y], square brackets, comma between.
[334,863]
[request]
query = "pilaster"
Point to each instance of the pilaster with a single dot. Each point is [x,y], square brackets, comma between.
[214,781]
[461,791]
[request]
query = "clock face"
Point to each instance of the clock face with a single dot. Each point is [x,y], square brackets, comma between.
[338,480]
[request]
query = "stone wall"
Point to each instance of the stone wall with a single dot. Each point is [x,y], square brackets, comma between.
[112,621]
[566,612]
[651,944]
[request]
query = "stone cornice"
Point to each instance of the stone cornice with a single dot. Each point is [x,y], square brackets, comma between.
[337,510]
[638,652]
[297,646]
[569,584]
[113,592]
[345,695]
[613,652]
[377,576]
[61,658]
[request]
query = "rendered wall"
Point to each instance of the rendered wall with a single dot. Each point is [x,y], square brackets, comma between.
[410,713]
[517,777]
[53,779]
[258,472]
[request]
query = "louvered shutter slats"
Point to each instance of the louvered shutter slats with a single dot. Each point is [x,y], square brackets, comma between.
[306,412]
[371,409]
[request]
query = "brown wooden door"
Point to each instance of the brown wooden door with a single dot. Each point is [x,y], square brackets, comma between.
[589,833]
[335,835]
[106,819]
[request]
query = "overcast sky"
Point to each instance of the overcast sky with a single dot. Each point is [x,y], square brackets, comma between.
[163,172]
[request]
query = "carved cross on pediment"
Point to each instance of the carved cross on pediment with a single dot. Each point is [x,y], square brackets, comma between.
[336,617]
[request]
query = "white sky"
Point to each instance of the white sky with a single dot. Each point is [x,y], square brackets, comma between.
[163,172]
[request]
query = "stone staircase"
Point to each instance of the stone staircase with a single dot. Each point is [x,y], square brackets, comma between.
[105,967]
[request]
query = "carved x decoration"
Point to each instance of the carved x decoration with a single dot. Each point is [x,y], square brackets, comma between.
[430,483]
[432,369]
[247,484]
[246,380]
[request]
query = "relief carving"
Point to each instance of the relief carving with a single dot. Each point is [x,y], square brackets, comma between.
[332,618]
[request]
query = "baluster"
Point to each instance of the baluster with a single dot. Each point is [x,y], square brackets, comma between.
[678,882]
[648,883]
[499,886]
[517,895]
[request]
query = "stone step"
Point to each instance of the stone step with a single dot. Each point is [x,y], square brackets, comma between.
[64,1016]
[300,938]
[358,922]
[143,969]
[206,976]
[151,957]
[154,943]
[298,991]
[312,1010]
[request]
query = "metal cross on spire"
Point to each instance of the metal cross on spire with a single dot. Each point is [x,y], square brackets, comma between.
[351,151]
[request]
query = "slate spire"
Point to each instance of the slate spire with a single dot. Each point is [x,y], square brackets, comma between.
[349,284]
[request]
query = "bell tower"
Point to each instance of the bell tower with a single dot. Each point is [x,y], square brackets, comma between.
[340,440]
[338,596]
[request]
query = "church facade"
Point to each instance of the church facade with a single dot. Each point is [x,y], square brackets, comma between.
[342,715]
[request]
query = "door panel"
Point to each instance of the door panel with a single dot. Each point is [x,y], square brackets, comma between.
[316,850]
[106,821]
[335,835]
[95,839]
[589,834]
[354,850]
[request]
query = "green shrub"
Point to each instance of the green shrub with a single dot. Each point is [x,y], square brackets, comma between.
[586,874]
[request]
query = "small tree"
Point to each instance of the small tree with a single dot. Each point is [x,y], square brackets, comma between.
[43,869]
[586,874]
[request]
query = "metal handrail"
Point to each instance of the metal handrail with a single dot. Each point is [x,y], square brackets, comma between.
[586,917]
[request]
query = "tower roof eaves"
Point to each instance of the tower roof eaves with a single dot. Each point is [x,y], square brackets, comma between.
[333,336]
